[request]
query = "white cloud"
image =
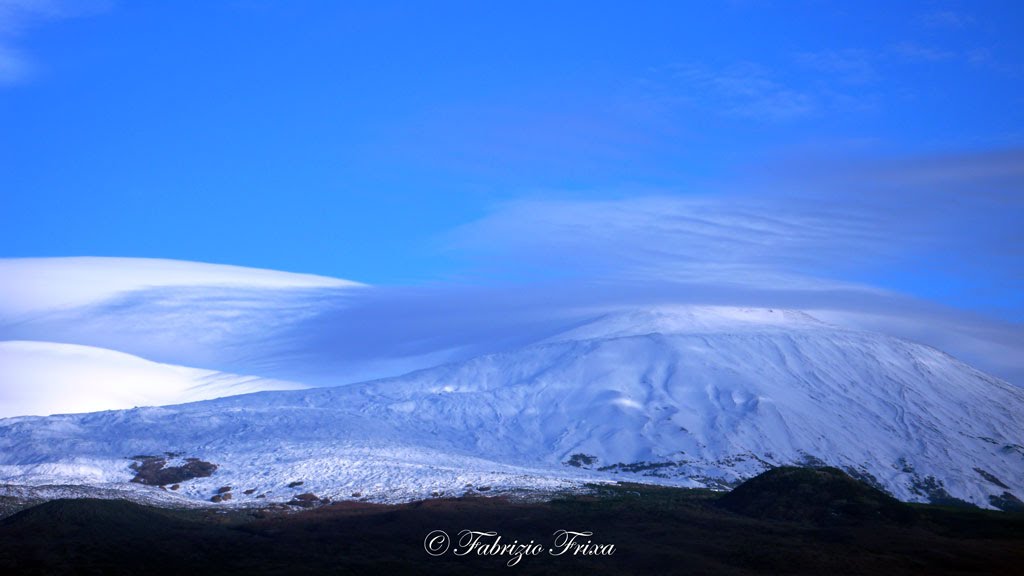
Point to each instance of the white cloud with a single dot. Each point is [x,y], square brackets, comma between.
[919,52]
[752,91]
[718,239]
[817,241]
[848,66]
[744,89]
[14,67]
[945,19]
[17,17]
[821,239]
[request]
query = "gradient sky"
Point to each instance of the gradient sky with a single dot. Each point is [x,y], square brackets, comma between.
[880,142]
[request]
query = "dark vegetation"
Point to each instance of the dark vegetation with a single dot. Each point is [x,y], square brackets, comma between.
[581,460]
[786,521]
[819,496]
[1007,501]
[307,500]
[153,470]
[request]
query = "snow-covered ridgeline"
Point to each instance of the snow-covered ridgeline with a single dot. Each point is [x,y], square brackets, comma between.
[688,396]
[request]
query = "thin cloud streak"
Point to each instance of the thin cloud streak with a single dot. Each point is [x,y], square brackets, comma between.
[949,19]
[14,67]
[544,267]
[848,66]
[17,17]
[744,89]
[850,240]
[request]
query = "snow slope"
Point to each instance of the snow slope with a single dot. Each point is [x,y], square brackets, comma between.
[687,396]
[46,378]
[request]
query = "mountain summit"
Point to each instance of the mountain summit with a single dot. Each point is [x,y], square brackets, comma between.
[690,396]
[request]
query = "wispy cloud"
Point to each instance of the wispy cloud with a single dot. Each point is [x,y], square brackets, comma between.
[920,52]
[828,238]
[944,19]
[980,56]
[14,67]
[847,66]
[17,17]
[823,239]
[743,89]
[737,239]
[823,219]
[839,237]
[811,84]
[816,249]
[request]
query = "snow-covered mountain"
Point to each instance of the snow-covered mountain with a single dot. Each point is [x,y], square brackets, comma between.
[694,396]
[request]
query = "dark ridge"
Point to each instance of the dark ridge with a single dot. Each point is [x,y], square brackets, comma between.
[655,529]
[82,510]
[819,495]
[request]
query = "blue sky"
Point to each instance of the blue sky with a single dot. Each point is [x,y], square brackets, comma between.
[874,143]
